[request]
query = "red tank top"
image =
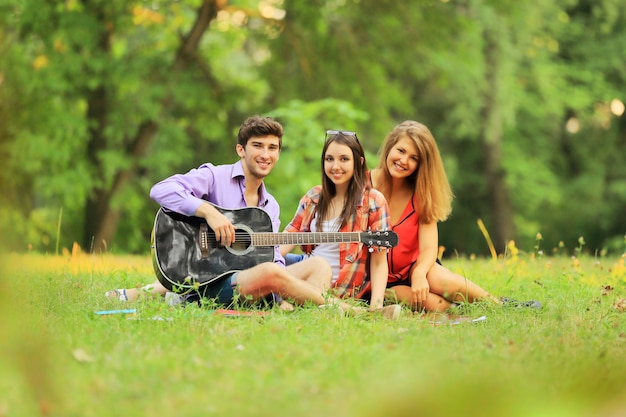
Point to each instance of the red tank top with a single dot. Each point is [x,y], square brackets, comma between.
[402,257]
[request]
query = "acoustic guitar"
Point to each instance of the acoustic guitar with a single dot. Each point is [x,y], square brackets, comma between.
[186,255]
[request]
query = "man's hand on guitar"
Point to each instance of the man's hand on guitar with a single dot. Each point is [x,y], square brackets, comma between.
[220,224]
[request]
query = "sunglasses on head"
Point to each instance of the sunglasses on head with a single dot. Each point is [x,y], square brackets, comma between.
[341,132]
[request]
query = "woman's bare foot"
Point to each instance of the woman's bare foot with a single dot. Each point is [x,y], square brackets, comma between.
[285,306]
[391,312]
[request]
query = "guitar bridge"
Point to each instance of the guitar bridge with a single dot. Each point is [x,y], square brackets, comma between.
[203,239]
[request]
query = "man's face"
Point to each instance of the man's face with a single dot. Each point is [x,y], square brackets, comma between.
[259,155]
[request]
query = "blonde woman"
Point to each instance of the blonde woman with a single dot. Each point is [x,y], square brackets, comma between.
[411,176]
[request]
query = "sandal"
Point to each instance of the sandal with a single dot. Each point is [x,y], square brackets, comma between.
[120,294]
[510,302]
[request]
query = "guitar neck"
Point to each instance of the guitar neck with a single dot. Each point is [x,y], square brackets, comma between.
[303,238]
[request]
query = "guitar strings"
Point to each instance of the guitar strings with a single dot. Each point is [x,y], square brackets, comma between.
[243,237]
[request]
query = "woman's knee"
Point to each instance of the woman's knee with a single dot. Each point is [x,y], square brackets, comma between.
[401,293]
[320,264]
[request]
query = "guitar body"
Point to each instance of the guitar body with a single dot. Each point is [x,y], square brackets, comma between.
[185,254]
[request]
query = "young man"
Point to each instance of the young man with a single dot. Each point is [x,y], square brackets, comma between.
[234,186]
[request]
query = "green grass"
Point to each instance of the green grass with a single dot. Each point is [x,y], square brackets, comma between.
[61,359]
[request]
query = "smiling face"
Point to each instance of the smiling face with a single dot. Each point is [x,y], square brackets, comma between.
[403,159]
[339,164]
[259,155]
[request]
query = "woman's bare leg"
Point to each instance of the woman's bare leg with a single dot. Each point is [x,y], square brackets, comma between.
[402,294]
[446,288]
[454,287]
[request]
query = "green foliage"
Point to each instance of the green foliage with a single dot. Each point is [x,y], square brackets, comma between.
[79,80]
[122,53]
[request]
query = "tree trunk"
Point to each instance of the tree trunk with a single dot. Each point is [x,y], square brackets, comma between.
[501,211]
[101,218]
[97,114]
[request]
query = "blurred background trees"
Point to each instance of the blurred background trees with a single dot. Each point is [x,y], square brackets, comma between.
[101,99]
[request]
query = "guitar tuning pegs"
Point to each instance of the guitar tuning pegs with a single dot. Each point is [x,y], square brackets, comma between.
[370,249]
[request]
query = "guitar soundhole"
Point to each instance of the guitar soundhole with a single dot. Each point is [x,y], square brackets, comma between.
[243,240]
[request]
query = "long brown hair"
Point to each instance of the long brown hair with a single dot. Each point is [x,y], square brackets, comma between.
[358,184]
[431,188]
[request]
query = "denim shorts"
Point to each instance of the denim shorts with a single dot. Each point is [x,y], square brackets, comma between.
[221,290]
[292,258]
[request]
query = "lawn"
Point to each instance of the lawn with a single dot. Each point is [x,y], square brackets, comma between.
[59,358]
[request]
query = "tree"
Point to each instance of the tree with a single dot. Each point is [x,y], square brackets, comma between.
[101,218]
[99,100]
[486,76]
[114,82]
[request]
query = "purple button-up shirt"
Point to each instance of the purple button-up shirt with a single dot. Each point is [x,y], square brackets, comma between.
[223,185]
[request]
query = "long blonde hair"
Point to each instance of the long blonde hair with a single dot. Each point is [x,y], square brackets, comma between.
[431,188]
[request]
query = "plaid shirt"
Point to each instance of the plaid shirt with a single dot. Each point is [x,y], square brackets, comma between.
[372,215]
